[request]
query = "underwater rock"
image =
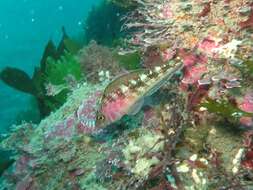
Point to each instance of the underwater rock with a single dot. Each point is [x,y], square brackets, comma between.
[36,149]
[177,143]
[142,145]
[227,143]
[143,166]
[249,22]
[247,104]
[212,23]
[96,58]
[195,139]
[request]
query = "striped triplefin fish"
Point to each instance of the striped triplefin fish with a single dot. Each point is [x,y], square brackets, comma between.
[125,95]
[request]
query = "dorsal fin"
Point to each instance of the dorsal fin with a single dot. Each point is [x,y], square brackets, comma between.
[123,79]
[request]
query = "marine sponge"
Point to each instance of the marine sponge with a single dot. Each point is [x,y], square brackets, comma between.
[143,166]
[137,148]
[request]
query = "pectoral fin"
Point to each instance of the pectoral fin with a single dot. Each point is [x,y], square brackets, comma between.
[136,107]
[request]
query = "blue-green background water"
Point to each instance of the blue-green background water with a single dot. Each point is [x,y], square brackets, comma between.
[25,28]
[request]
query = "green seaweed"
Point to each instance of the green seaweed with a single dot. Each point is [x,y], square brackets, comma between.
[248,67]
[224,109]
[72,46]
[49,51]
[54,102]
[245,67]
[57,65]
[57,70]
[129,61]
[62,46]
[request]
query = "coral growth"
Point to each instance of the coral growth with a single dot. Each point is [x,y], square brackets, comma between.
[193,132]
[96,58]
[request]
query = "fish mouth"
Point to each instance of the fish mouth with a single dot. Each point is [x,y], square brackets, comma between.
[101,125]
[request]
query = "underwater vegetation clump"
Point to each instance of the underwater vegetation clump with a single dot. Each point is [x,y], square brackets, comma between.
[125,3]
[105,30]
[98,62]
[172,110]
[101,63]
[51,82]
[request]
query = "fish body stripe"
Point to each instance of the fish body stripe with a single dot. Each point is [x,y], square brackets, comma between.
[158,69]
[143,77]
[124,88]
[142,82]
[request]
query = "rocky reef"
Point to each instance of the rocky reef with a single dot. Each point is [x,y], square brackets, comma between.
[194,132]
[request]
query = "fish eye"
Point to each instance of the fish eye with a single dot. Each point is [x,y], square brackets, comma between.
[100,117]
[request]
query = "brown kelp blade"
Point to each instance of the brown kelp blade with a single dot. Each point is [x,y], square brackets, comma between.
[18,79]
[5,161]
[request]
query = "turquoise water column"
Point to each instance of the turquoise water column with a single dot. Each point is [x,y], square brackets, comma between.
[25,28]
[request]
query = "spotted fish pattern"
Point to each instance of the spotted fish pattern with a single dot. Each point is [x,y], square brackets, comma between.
[125,95]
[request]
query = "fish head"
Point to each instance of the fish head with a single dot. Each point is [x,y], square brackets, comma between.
[113,110]
[101,121]
[116,100]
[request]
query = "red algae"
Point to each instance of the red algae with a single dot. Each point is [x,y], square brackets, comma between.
[206,10]
[247,103]
[196,123]
[249,22]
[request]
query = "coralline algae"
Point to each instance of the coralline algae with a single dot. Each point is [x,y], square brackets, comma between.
[190,136]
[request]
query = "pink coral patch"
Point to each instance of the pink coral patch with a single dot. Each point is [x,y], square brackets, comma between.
[167,54]
[248,161]
[193,74]
[208,46]
[190,58]
[246,121]
[166,12]
[247,103]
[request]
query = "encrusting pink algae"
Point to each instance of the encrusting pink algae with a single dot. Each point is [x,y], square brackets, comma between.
[183,121]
